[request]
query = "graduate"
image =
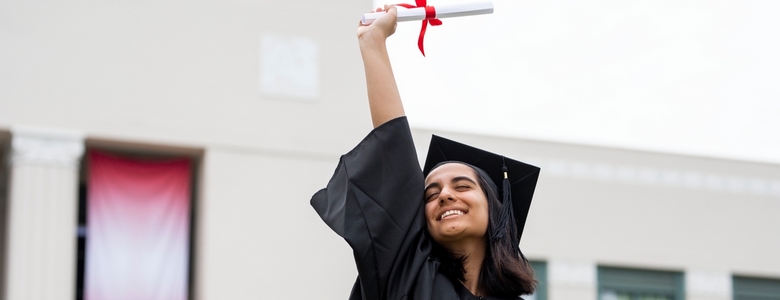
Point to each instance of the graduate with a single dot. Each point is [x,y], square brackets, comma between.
[448,231]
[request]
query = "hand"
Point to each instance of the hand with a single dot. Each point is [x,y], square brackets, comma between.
[381,28]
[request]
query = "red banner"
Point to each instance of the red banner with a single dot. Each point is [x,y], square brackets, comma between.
[138,228]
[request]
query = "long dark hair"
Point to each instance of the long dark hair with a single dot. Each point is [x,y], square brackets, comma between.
[505,271]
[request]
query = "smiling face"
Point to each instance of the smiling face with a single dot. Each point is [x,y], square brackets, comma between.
[456,208]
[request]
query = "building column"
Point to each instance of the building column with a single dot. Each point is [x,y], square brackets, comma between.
[42,214]
[571,280]
[708,285]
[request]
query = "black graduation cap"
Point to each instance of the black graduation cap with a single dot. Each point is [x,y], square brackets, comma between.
[518,179]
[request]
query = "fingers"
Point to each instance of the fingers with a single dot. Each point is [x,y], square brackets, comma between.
[378,9]
[386,8]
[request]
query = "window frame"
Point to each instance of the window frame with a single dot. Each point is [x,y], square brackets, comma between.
[637,280]
[540,273]
[754,287]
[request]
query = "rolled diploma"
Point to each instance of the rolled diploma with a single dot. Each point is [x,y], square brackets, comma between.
[442,11]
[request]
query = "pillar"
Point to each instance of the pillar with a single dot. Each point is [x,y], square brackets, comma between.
[42,214]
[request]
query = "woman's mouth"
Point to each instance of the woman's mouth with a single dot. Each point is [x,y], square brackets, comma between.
[451,214]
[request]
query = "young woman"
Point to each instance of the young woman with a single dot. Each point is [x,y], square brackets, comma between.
[443,236]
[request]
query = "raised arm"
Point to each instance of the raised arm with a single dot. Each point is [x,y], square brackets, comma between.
[383,97]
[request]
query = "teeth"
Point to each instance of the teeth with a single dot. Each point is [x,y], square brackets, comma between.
[451,212]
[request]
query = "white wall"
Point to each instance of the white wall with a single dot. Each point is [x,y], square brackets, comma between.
[179,73]
[258,235]
[187,75]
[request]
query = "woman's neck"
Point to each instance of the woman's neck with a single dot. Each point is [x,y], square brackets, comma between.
[474,253]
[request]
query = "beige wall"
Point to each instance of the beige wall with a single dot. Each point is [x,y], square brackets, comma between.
[258,235]
[179,73]
[186,75]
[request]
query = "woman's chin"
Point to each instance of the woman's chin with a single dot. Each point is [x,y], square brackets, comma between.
[453,233]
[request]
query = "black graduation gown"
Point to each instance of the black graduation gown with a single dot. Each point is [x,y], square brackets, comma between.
[375,202]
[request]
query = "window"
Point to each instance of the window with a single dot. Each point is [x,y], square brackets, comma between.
[136,197]
[540,272]
[752,288]
[632,284]
[5,140]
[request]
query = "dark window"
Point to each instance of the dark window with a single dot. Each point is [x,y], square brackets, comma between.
[540,272]
[634,284]
[753,288]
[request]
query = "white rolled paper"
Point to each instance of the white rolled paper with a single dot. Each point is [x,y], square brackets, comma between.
[442,11]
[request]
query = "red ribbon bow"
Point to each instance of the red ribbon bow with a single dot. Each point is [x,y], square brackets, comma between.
[430,18]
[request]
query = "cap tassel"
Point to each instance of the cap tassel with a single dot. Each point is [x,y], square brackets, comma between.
[506,219]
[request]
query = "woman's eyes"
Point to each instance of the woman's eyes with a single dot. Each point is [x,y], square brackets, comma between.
[457,188]
[462,187]
[430,197]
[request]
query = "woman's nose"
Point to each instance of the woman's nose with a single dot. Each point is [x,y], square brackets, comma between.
[445,195]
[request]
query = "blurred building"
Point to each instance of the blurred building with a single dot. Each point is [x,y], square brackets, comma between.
[263,98]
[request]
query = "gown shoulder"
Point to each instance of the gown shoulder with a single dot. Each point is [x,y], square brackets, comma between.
[374,200]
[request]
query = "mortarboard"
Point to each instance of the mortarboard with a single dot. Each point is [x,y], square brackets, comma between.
[518,179]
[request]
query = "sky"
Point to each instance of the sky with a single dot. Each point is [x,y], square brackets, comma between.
[684,77]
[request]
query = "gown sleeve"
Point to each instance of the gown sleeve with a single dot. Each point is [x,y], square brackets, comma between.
[374,201]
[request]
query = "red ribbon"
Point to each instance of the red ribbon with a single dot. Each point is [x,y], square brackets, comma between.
[430,18]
